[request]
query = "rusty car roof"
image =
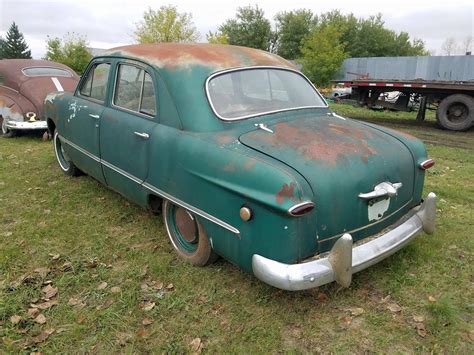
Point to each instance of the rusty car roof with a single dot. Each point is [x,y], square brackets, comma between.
[214,56]
[10,70]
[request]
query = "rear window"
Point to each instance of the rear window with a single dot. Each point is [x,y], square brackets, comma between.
[46,71]
[244,93]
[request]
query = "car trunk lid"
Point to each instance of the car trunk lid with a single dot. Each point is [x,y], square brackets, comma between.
[36,89]
[340,159]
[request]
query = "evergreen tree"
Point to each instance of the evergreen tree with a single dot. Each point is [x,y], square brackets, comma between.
[2,43]
[14,45]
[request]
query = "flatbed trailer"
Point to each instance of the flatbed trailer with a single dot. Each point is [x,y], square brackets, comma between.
[452,100]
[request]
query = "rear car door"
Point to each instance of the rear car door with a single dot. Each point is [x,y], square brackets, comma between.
[81,126]
[126,128]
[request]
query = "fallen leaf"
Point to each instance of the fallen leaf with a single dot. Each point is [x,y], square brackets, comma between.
[91,265]
[42,271]
[471,335]
[322,297]
[41,319]
[203,299]
[48,282]
[147,321]
[148,306]
[170,287]
[67,266]
[33,312]
[105,305]
[431,299]
[196,345]
[356,311]
[49,291]
[80,319]
[115,289]
[421,329]
[15,319]
[75,302]
[393,307]
[419,319]
[102,285]
[142,333]
[43,336]
[21,331]
[60,330]
[55,256]
[45,305]
[347,320]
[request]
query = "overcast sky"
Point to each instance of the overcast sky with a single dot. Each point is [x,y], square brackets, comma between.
[111,23]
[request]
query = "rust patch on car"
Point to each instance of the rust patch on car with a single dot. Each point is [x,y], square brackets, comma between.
[174,55]
[324,142]
[223,139]
[249,164]
[230,168]
[286,193]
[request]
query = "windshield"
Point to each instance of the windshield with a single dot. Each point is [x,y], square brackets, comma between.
[251,92]
[46,71]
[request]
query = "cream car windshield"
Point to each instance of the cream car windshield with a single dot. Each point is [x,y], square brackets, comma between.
[246,93]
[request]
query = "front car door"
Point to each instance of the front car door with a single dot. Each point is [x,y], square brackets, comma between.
[126,129]
[81,126]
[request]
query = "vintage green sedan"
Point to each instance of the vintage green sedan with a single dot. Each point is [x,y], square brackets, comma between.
[245,160]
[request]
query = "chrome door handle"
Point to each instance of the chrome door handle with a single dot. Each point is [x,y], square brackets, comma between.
[382,189]
[142,135]
[94,116]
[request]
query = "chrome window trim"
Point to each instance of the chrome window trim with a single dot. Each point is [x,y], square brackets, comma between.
[82,82]
[222,72]
[155,190]
[112,101]
[46,66]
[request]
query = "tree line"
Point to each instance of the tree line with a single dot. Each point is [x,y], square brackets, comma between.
[319,42]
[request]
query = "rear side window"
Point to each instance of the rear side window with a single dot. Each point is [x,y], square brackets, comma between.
[95,85]
[46,71]
[134,90]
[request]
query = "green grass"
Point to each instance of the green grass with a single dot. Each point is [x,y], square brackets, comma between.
[108,239]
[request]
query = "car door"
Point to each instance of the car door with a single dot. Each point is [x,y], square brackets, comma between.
[126,128]
[81,126]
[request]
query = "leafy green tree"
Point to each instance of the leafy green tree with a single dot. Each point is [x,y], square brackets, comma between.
[249,28]
[217,38]
[166,25]
[2,43]
[71,51]
[323,54]
[14,45]
[291,28]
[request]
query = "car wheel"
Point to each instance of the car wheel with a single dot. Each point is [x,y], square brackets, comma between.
[6,132]
[187,235]
[65,163]
[456,112]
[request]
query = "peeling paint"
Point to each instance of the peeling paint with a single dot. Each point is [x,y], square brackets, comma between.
[286,193]
[9,110]
[323,140]
[175,55]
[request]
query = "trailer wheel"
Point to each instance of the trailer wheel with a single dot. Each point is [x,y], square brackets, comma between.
[456,112]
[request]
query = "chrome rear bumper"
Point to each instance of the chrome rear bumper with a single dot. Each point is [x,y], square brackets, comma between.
[344,259]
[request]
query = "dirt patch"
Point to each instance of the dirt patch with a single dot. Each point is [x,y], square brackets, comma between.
[429,132]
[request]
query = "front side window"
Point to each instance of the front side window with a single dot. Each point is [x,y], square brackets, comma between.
[95,85]
[134,90]
[251,92]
